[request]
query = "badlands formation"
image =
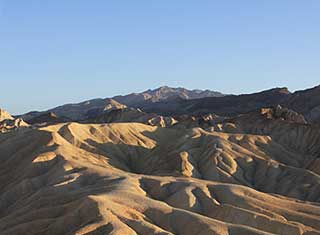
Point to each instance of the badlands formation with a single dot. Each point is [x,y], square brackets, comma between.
[122,170]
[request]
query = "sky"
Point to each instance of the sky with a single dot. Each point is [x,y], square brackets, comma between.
[56,52]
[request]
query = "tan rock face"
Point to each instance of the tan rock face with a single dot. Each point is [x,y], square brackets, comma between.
[8,123]
[4,115]
[130,178]
[12,124]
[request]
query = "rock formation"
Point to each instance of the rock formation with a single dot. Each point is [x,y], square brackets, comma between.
[4,115]
[100,167]
[8,123]
[137,179]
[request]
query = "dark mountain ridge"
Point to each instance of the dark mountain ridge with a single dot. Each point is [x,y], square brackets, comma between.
[306,102]
[168,101]
[95,107]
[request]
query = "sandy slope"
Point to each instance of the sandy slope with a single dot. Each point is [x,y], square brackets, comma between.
[130,178]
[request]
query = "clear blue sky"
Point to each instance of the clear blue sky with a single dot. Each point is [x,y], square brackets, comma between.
[58,51]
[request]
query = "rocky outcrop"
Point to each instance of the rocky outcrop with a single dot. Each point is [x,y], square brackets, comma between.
[133,115]
[8,123]
[279,112]
[4,115]
[12,124]
[48,119]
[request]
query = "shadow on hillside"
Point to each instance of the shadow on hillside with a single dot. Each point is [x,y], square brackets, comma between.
[44,195]
[165,160]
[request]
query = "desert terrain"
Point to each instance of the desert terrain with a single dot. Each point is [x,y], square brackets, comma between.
[165,161]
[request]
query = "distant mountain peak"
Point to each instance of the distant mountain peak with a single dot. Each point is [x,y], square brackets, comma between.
[164,88]
[277,90]
[284,90]
[164,93]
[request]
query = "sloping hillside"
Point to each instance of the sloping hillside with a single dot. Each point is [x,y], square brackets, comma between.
[138,179]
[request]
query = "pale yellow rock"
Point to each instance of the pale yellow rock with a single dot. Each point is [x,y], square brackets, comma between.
[130,178]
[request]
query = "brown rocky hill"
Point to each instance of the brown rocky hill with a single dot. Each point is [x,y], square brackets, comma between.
[78,111]
[48,118]
[164,93]
[93,108]
[306,102]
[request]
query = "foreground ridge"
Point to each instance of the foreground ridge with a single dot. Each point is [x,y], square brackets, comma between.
[132,178]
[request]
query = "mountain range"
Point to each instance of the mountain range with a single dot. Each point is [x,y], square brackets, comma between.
[168,101]
[165,161]
[90,108]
